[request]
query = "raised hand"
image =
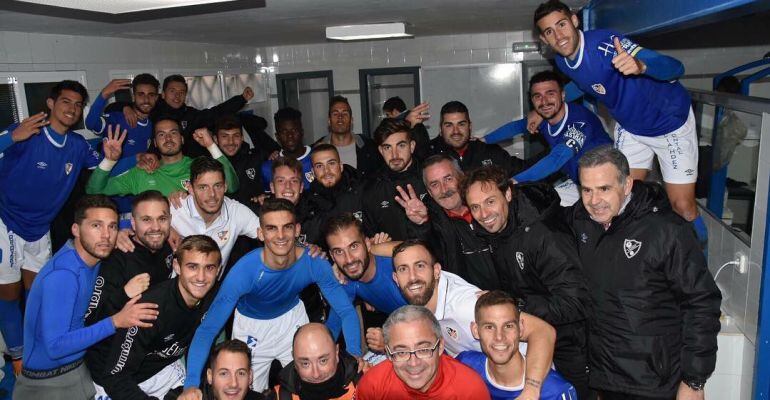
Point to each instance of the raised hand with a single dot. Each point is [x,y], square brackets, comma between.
[137,285]
[625,63]
[114,86]
[248,93]
[381,237]
[414,207]
[418,114]
[375,340]
[113,143]
[148,162]
[533,122]
[135,314]
[191,393]
[203,137]
[131,116]
[124,242]
[176,198]
[30,126]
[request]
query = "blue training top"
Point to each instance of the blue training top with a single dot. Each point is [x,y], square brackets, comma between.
[264,293]
[37,176]
[382,293]
[54,332]
[307,171]
[643,104]
[555,387]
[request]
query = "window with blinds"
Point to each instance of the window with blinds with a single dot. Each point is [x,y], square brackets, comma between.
[9,112]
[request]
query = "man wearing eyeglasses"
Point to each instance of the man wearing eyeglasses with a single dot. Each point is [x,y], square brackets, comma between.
[416,367]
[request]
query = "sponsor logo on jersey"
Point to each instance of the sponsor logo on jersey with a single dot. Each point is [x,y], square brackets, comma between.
[520,260]
[251,173]
[486,162]
[131,142]
[223,235]
[599,88]
[151,182]
[385,204]
[125,349]
[95,296]
[309,176]
[452,333]
[68,168]
[631,247]
[42,165]
[168,338]
[689,171]
[575,136]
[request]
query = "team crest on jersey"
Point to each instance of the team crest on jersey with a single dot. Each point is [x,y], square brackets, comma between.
[223,235]
[520,260]
[599,88]
[184,182]
[422,196]
[359,215]
[251,173]
[584,237]
[486,162]
[451,332]
[631,247]
[184,125]
[170,261]
[302,239]
[309,176]
[68,168]
[252,342]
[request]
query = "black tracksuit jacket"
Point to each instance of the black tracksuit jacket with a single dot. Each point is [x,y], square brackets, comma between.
[381,211]
[478,154]
[323,203]
[655,306]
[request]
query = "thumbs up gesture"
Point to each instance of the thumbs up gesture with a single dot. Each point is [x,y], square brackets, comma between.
[625,63]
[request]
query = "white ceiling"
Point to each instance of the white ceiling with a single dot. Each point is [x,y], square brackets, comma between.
[120,7]
[283,22]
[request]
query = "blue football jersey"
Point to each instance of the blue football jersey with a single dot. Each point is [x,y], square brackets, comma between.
[580,130]
[137,138]
[307,170]
[555,387]
[37,176]
[642,105]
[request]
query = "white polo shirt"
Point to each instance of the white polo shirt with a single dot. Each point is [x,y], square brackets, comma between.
[455,312]
[234,220]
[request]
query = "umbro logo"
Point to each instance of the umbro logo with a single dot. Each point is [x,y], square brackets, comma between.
[131,142]
[385,204]
[689,171]
[42,165]
[168,338]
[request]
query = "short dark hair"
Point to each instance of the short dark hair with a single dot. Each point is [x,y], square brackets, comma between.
[606,154]
[148,195]
[145,79]
[394,103]
[338,99]
[325,147]
[454,106]
[231,346]
[90,201]
[273,204]
[283,161]
[340,222]
[175,78]
[493,175]
[199,243]
[287,114]
[204,164]
[549,7]
[165,117]
[227,122]
[494,298]
[414,243]
[67,84]
[391,126]
[729,84]
[545,76]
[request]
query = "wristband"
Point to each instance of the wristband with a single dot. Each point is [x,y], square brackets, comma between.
[214,150]
[107,164]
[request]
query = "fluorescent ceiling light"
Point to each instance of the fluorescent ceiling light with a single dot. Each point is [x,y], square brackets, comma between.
[123,6]
[367,31]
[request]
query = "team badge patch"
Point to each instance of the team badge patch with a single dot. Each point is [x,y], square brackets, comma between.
[68,168]
[520,259]
[184,124]
[452,333]
[599,88]
[631,247]
[309,176]
[251,173]
[251,342]
[184,182]
[486,162]
[302,239]
[223,235]
[359,215]
[170,263]
[584,237]
[422,196]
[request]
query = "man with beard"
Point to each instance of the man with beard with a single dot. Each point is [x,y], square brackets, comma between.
[229,373]
[41,161]
[263,287]
[452,300]
[172,105]
[55,335]
[536,260]
[569,128]
[289,133]
[355,150]
[455,140]
[124,275]
[319,371]
[146,363]
[174,170]
[446,223]
[395,107]
[370,277]
[640,89]
[500,363]
[335,190]
[395,143]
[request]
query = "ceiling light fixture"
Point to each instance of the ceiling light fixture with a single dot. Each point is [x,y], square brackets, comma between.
[367,31]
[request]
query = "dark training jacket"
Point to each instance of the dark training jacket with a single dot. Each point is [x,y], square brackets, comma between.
[655,306]
[323,203]
[368,158]
[381,211]
[290,383]
[478,154]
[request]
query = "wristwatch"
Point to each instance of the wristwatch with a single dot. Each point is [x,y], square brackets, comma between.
[696,384]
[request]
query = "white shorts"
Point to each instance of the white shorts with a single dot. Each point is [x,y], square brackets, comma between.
[157,385]
[268,339]
[568,191]
[677,151]
[17,254]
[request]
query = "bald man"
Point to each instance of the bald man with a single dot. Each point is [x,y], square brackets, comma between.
[319,370]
